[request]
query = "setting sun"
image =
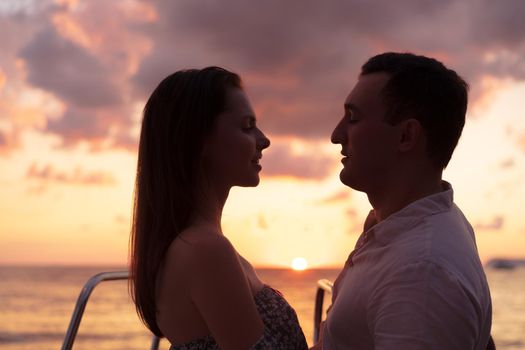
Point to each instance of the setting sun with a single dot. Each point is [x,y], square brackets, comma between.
[299,264]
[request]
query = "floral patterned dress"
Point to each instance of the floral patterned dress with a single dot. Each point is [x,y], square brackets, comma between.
[281,326]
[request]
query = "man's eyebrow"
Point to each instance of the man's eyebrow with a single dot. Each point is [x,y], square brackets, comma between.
[351,107]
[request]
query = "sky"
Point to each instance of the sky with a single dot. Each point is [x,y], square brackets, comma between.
[74,77]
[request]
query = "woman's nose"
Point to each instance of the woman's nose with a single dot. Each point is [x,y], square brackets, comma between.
[262,141]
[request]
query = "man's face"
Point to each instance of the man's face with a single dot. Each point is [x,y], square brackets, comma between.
[369,143]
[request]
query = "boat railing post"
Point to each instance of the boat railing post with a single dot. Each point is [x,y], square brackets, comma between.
[82,300]
[155,342]
[323,286]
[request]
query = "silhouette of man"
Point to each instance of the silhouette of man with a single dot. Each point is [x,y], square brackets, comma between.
[414,279]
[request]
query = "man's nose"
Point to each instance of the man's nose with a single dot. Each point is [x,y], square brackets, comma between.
[336,134]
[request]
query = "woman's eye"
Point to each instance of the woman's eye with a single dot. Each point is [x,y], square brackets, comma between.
[249,125]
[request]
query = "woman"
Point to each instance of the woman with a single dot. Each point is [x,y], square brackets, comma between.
[199,138]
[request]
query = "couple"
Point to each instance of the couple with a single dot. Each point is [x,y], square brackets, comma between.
[414,279]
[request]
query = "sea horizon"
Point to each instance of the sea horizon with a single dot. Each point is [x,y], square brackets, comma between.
[36,303]
[485,262]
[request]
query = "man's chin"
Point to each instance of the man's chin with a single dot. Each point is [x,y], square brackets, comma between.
[343,176]
[347,181]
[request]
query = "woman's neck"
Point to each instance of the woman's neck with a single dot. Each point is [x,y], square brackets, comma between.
[209,209]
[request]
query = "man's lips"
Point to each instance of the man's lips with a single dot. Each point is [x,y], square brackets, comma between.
[255,162]
[345,157]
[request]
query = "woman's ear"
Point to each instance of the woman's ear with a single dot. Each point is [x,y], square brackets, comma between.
[411,133]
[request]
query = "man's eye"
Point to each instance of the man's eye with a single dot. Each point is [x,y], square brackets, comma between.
[350,116]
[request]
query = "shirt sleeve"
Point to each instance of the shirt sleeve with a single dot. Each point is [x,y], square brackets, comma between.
[423,306]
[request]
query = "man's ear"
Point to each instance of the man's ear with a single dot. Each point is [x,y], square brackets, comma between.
[411,133]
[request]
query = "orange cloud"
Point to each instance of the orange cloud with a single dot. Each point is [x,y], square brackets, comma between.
[48,174]
[507,163]
[495,225]
[338,197]
[3,139]
[3,79]
[521,141]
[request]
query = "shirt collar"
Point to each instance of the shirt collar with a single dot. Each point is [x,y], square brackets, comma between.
[385,231]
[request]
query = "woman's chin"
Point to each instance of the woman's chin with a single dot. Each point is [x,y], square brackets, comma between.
[254,182]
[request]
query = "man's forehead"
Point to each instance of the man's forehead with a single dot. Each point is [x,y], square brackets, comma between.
[367,89]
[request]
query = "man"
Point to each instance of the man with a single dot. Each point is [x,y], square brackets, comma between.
[414,280]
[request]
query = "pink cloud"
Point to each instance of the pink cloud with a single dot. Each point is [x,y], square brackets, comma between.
[280,161]
[84,56]
[3,140]
[298,59]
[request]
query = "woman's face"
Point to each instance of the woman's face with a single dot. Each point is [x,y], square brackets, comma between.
[233,150]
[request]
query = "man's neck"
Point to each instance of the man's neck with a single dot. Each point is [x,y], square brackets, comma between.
[397,195]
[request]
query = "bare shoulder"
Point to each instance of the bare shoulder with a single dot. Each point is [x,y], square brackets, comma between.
[201,252]
[251,274]
[204,246]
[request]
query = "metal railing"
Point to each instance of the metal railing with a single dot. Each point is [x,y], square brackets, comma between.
[323,286]
[82,302]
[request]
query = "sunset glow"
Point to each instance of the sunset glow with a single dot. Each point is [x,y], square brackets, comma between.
[74,77]
[299,264]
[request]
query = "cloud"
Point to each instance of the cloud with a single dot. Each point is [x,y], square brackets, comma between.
[69,71]
[261,222]
[521,141]
[299,59]
[122,219]
[48,174]
[280,160]
[101,128]
[3,139]
[299,62]
[84,56]
[497,23]
[338,197]
[292,68]
[507,163]
[9,141]
[351,212]
[495,225]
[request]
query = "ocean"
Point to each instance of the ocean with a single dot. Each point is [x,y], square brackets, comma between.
[36,305]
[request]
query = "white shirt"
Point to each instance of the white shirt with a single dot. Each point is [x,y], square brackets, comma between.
[415,281]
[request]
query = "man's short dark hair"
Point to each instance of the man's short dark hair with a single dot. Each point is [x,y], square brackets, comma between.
[424,89]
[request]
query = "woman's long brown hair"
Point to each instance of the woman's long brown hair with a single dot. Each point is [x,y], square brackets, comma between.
[178,116]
